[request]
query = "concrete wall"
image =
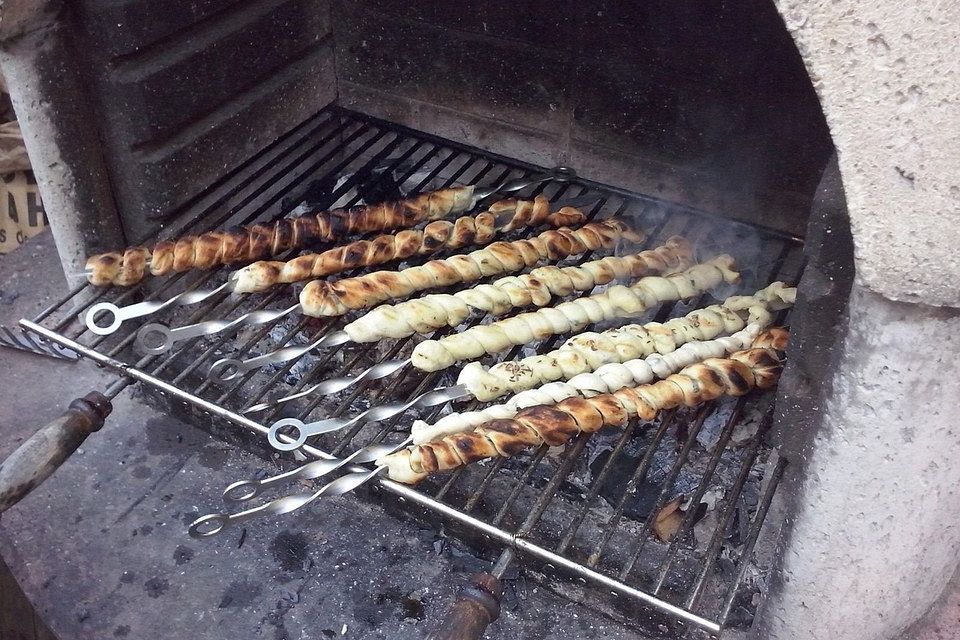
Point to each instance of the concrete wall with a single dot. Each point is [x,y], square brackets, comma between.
[185,91]
[888,76]
[870,396]
[706,103]
[135,107]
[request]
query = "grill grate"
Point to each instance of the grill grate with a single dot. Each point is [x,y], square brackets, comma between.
[586,511]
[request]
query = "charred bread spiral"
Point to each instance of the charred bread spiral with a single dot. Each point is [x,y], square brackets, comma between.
[606,379]
[736,375]
[436,236]
[258,241]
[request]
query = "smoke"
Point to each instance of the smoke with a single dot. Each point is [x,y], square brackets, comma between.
[755,251]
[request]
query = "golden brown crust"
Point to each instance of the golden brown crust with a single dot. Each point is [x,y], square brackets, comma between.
[555,425]
[774,337]
[262,240]
[510,437]
[322,298]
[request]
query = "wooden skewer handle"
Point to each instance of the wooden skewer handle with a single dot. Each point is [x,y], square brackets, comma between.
[477,606]
[43,453]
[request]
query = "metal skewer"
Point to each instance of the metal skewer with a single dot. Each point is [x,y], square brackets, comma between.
[214,523]
[560,174]
[156,338]
[249,489]
[373,414]
[227,369]
[336,385]
[102,311]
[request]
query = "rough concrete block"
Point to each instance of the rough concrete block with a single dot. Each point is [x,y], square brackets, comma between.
[496,135]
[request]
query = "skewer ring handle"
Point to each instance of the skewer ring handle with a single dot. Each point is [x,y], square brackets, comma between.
[102,311]
[242,491]
[225,370]
[154,339]
[293,442]
[208,525]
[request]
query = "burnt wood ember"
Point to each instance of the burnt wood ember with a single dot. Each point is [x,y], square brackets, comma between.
[581,512]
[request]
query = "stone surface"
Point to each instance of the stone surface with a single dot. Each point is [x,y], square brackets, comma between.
[867,408]
[943,621]
[888,74]
[101,548]
[873,539]
[65,151]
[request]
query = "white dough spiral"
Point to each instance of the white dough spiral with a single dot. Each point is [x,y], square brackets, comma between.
[616,302]
[590,350]
[536,288]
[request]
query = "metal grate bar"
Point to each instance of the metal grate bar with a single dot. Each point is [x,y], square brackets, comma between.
[755,527]
[511,355]
[687,522]
[545,346]
[222,339]
[667,484]
[726,517]
[304,321]
[306,379]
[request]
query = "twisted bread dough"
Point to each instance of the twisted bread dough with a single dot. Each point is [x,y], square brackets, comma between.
[538,287]
[433,238]
[607,379]
[616,302]
[321,298]
[590,350]
[555,425]
[775,338]
[261,240]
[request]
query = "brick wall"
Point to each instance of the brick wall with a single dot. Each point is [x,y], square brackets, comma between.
[699,101]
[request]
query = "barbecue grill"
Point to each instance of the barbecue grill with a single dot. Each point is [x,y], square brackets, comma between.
[523,511]
[584,518]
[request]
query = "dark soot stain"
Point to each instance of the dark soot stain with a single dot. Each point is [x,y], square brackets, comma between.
[290,550]
[182,555]
[240,594]
[156,587]
[213,457]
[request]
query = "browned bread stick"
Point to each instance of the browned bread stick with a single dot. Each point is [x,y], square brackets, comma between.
[322,298]
[257,241]
[555,425]
[434,237]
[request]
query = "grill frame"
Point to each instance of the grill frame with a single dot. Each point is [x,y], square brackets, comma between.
[234,198]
